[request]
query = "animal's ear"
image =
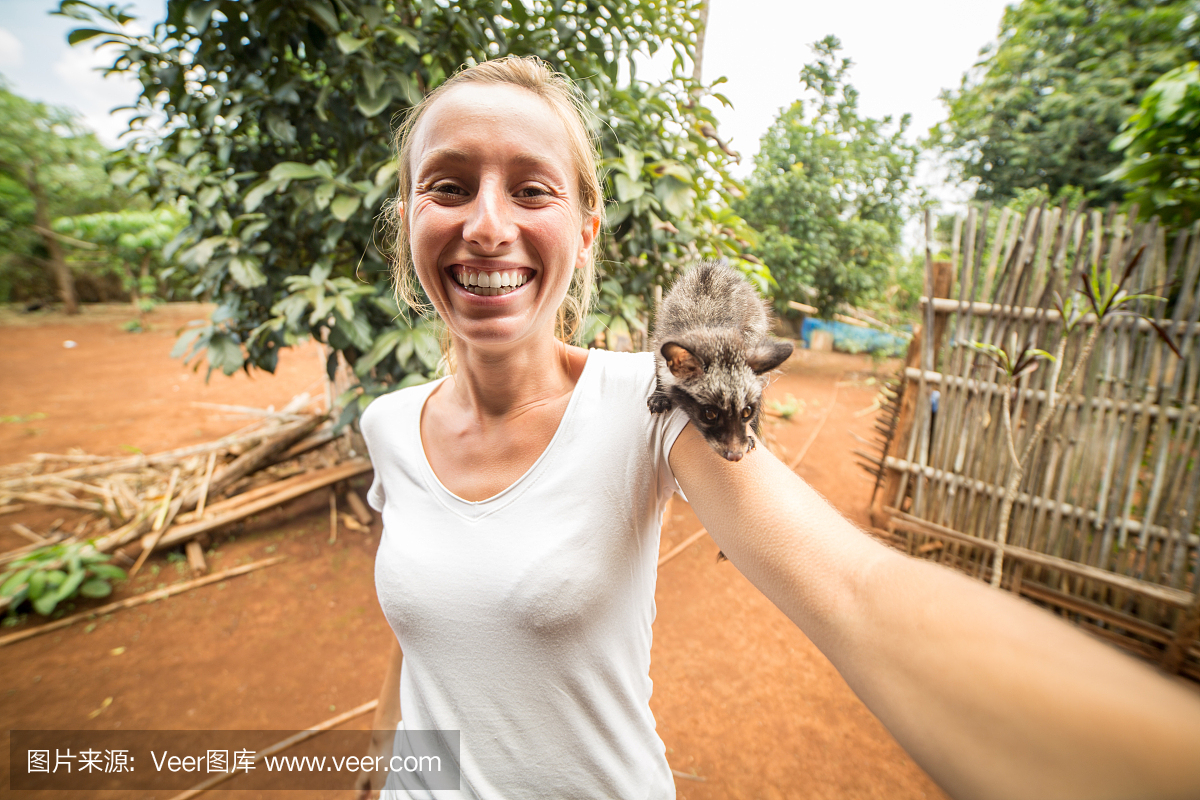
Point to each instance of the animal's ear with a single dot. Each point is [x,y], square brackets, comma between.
[682,362]
[768,355]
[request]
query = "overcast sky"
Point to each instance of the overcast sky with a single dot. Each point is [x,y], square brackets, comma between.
[904,55]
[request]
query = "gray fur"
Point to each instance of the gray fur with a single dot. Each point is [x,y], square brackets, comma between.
[713,351]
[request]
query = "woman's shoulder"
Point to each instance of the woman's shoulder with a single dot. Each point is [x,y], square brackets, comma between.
[401,404]
[628,369]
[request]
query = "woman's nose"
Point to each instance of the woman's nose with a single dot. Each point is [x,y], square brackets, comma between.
[490,225]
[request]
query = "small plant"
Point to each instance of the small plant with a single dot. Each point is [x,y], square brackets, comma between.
[56,573]
[786,408]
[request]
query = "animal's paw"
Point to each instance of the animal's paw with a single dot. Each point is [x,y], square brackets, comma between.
[752,444]
[658,403]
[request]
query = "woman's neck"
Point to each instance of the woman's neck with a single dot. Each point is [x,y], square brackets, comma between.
[497,384]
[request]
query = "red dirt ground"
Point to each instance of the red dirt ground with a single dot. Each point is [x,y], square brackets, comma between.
[743,700]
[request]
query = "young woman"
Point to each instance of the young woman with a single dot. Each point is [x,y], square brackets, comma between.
[522,494]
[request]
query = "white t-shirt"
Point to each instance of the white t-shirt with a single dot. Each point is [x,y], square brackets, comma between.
[525,618]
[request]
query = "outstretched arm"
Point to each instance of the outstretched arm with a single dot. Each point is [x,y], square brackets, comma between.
[992,696]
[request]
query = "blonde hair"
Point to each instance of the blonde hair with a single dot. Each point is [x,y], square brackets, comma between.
[565,100]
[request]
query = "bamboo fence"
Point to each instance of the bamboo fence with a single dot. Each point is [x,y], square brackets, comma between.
[1104,526]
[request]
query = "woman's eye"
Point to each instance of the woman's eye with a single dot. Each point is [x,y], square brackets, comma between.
[532,191]
[447,189]
[710,414]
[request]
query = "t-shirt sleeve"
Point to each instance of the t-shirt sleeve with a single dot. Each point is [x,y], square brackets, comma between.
[367,424]
[670,424]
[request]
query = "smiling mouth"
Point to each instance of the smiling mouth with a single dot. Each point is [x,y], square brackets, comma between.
[490,284]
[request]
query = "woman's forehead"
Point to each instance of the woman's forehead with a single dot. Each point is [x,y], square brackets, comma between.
[474,115]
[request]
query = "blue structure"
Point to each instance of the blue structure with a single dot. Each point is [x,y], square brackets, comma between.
[853,339]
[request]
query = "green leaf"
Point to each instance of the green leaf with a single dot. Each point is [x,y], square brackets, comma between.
[45,604]
[108,571]
[68,587]
[373,77]
[627,188]
[370,105]
[37,585]
[294,171]
[356,329]
[427,347]
[183,342]
[322,11]
[82,35]
[383,347]
[224,353]
[96,587]
[348,44]
[675,196]
[246,270]
[15,580]
[344,206]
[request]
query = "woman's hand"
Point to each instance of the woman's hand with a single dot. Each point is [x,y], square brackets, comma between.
[387,715]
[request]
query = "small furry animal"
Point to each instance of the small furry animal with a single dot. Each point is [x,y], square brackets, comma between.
[713,353]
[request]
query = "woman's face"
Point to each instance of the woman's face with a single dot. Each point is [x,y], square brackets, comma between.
[495,221]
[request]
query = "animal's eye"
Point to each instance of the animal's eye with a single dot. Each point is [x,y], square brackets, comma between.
[710,414]
[747,411]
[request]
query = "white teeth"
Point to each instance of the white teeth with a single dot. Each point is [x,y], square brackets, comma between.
[490,284]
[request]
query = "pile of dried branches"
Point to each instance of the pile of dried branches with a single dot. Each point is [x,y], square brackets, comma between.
[167,499]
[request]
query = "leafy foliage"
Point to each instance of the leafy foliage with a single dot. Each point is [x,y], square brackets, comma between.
[278,145]
[131,244]
[52,574]
[1161,148]
[49,166]
[828,191]
[1042,106]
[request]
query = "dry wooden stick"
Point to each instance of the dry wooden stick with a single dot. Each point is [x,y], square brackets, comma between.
[52,500]
[28,534]
[158,529]
[12,509]
[166,503]
[136,462]
[679,548]
[222,506]
[208,473]
[138,600]
[279,747]
[333,520]
[358,507]
[195,557]
[318,480]
[248,462]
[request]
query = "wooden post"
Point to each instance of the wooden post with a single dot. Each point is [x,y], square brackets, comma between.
[943,280]
[1185,633]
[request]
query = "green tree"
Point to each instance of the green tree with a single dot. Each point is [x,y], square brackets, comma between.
[49,165]
[278,143]
[1161,148]
[130,244]
[1041,107]
[828,191]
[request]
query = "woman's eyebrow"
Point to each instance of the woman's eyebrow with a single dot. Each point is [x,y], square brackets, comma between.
[454,155]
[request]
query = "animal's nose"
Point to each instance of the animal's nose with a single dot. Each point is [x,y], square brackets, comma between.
[733,455]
